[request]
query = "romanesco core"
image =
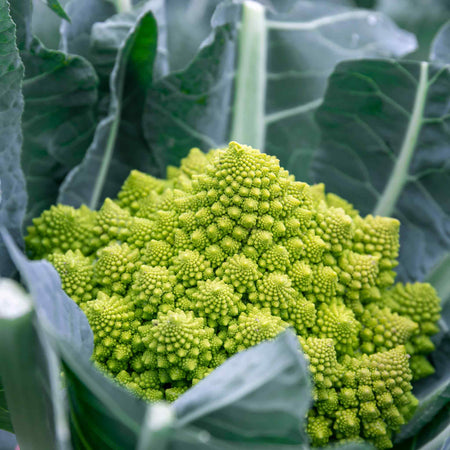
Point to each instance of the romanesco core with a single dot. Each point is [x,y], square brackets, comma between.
[177,275]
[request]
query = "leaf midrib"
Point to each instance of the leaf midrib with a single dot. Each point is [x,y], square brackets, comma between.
[399,175]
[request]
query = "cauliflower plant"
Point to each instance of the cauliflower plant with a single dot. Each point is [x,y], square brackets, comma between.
[177,275]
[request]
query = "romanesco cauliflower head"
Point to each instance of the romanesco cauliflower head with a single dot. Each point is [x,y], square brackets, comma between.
[177,275]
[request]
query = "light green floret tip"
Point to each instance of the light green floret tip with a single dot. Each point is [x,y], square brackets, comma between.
[239,272]
[152,290]
[177,275]
[179,344]
[338,322]
[383,329]
[136,187]
[251,328]
[115,266]
[113,322]
[62,228]
[112,222]
[77,274]
[216,301]
[420,303]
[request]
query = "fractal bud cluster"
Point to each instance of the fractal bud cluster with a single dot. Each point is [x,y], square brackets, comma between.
[177,275]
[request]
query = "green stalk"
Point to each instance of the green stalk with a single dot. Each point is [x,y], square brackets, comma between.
[248,124]
[28,374]
[123,5]
[157,427]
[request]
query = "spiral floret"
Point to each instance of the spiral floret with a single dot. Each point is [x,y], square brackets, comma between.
[59,229]
[112,222]
[216,301]
[240,272]
[114,325]
[77,274]
[251,328]
[338,322]
[115,266]
[420,303]
[137,186]
[152,290]
[180,343]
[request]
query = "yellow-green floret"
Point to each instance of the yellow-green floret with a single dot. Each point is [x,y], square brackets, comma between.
[177,275]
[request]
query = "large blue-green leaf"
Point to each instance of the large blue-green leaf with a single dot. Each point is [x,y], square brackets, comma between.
[191,438]
[278,77]
[7,440]
[118,144]
[59,315]
[256,400]
[21,12]
[102,414]
[191,108]
[386,148]
[13,196]
[108,36]
[440,48]
[305,46]
[260,396]
[29,373]
[5,418]
[59,120]
[76,34]
[421,17]
[187,27]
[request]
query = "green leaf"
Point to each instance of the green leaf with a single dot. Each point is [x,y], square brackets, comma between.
[21,13]
[13,196]
[186,29]
[59,120]
[258,399]
[350,446]
[122,5]
[439,278]
[56,7]
[194,107]
[102,414]
[191,438]
[227,94]
[440,48]
[76,34]
[7,441]
[118,145]
[306,45]
[385,148]
[269,380]
[433,394]
[187,109]
[421,17]
[29,374]
[5,419]
[435,436]
[260,396]
[60,316]
[107,37]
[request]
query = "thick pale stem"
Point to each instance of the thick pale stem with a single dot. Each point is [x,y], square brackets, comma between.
[248,124]
[123,5]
